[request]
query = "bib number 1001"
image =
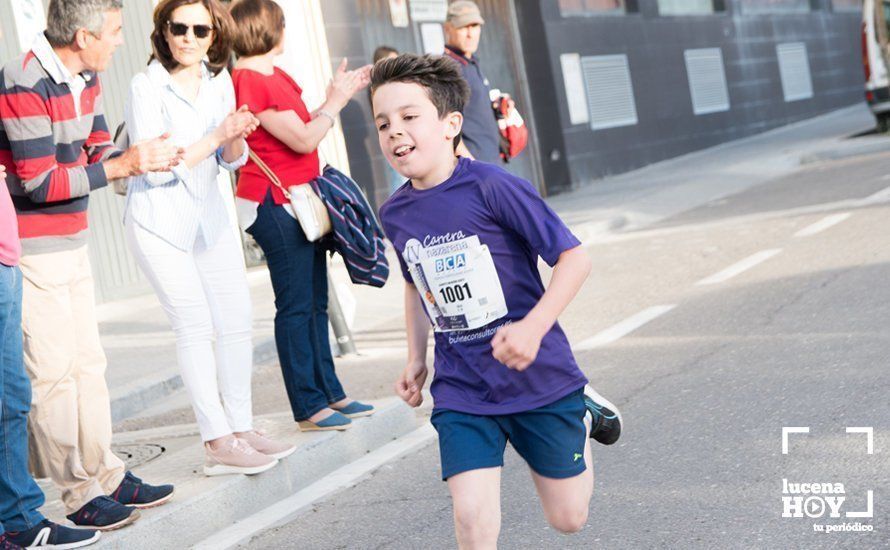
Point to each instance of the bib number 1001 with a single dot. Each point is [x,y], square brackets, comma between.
[456,293]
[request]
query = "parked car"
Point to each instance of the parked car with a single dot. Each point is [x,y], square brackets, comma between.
[875,57]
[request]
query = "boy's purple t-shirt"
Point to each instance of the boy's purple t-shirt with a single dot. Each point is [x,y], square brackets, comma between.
[509,217]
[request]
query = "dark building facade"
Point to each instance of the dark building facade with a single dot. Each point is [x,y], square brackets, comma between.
[607,86]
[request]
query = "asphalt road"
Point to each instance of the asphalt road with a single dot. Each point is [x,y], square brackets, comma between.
[800,339]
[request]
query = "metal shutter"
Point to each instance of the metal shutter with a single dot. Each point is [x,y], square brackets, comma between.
[794,68]
[610,96]
[707,80]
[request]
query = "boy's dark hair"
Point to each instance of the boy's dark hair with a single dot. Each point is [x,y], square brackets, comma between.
[440,75]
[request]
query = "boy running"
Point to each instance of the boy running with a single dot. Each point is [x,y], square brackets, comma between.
[468,235]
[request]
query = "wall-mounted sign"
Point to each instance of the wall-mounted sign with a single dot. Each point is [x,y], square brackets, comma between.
[429,10]
[576,97]
[398,12]
[433,38]
[29,21]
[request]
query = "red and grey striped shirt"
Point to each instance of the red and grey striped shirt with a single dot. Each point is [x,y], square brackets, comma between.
[51,147]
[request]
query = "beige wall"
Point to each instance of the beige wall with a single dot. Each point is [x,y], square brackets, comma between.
[307,60]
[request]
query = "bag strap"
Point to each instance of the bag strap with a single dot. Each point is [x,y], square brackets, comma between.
[269,173]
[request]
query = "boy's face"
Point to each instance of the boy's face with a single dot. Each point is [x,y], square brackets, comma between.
[414,140]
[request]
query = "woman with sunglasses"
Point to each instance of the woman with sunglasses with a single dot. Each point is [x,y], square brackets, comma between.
[287,141]
[178,227]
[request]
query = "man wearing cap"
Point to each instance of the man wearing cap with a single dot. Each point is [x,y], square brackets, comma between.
[480,135]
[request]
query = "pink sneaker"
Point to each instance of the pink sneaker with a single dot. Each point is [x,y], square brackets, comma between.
[235,456]
[269,447]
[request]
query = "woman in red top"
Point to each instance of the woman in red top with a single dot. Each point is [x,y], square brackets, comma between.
[287,141]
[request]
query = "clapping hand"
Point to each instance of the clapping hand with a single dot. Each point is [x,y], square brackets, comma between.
[152,155]
[346,83]
[237,125]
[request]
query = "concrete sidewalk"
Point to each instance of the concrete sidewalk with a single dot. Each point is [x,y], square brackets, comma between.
[142,359]
[203,505]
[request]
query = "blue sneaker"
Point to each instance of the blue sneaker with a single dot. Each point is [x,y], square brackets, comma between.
[336,421]
[47,534]
[105,514]
[134,492]
[356,410]
[606,418]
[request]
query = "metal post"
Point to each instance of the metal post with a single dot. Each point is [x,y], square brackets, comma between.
[345,343]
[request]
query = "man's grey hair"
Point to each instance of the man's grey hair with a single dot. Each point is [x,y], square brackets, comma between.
[65,17]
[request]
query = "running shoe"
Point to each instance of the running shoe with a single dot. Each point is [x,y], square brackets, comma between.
[104,513]
[235,456]
[267,446]
[47,534]
[136,493]
[605,417]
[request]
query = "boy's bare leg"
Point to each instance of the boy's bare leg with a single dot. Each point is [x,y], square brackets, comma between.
[476,497]
[567,501]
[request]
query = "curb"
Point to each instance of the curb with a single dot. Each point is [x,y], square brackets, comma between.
[204,506]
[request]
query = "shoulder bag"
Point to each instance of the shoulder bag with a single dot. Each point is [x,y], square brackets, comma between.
[310,210]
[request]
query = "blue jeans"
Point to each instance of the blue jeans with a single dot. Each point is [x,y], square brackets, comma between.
[299,276]
[20,497]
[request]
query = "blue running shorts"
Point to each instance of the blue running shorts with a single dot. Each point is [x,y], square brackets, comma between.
[550,439]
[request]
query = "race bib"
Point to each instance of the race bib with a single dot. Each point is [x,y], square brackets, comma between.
[458,283]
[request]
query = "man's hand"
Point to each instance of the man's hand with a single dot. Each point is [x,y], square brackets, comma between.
[151,155]
[410,384]
[2,173]
[516,345]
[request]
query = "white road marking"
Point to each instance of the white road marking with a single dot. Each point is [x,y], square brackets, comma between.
[285,510]
[739,267]
[822,225]
[623,328]
[880,196]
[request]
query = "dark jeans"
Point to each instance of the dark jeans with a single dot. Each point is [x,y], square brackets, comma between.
[299,278]
[20,497]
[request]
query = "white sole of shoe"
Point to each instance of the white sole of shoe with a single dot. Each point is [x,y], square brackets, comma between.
[70,545]
[158,502]
[122,523]
[225,469]
[283,454]
[593,394]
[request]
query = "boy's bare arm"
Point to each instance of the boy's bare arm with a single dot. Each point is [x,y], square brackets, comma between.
[410,383]
[516,345]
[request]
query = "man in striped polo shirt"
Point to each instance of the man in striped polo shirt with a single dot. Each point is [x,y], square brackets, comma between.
[56,148]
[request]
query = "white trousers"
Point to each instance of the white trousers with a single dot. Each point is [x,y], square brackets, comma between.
[206,297]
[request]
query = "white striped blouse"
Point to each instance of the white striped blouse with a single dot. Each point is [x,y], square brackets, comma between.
[184,204]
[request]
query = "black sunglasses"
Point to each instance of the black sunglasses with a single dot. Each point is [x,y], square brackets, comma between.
[181,29]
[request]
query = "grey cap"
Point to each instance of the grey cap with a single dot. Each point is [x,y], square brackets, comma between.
[462,13]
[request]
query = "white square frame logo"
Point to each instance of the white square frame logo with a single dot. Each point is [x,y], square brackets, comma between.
[869,449]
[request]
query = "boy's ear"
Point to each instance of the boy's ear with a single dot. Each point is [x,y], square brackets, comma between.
[455,121]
